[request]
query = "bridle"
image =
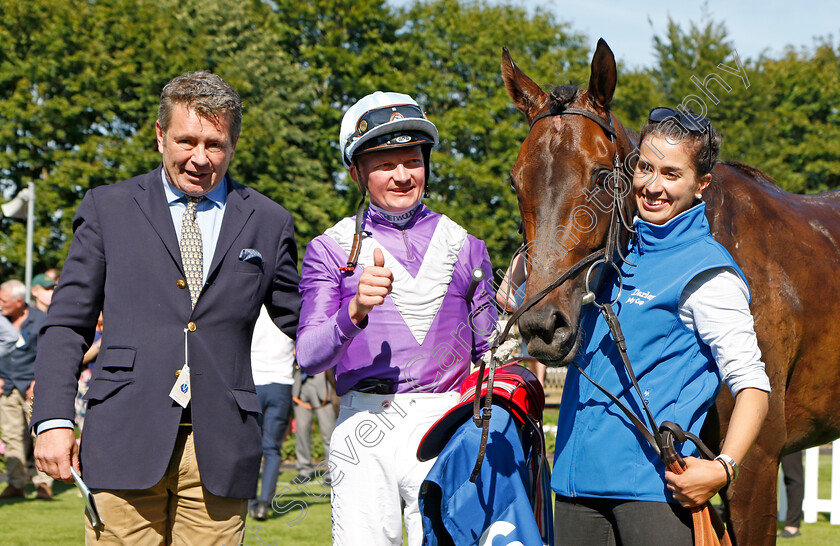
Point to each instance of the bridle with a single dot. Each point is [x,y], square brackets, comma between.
[617,218]
[706,523]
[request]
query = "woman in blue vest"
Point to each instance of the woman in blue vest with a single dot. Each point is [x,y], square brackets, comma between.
[685,312]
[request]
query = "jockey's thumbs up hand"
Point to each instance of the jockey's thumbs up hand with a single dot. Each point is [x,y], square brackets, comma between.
[378,258]
[374,285]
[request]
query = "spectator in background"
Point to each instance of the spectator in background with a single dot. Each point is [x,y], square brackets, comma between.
[272,363]
[312,394]
[17,370]
[8,339]
[42,291]
[52,273]
[795,489]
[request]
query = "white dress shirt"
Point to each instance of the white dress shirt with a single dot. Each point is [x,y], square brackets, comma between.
[715,304]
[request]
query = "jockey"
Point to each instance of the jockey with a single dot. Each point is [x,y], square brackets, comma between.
[385,303]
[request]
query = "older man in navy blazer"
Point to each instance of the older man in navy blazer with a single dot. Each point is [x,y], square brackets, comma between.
[179,260]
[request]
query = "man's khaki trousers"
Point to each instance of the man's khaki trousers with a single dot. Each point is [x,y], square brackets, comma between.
[14,422]
[177,510]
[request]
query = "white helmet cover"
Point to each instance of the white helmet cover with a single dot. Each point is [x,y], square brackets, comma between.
[388,113]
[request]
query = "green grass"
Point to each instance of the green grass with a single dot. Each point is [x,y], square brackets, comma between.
[37,522]
[301,518]
[60,521]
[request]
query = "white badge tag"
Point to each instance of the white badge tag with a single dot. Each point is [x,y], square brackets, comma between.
[181,392]
[181,389]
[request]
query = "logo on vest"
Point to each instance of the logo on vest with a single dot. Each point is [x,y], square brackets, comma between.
[640,297]
[502,529]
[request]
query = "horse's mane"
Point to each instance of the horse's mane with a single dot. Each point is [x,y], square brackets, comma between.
[750,170]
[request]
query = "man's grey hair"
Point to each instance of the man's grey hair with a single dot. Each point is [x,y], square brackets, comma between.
[206,94]
[15,288]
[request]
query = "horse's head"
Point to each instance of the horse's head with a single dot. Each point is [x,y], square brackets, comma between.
[565,179]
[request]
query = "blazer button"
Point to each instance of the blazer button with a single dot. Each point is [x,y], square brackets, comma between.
[191,326]
[177,373]
[181,283]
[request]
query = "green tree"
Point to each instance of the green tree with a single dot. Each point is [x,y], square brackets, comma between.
[74,99]
[449,58]
[682,53]
[788,124]
[781,117]
[343,44]
[79,88]
[447,55]
[280,149]
[635,94]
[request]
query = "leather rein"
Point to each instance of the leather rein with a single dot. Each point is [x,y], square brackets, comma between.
[481,415]
[707,525]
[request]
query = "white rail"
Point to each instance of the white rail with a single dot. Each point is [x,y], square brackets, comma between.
[812,503]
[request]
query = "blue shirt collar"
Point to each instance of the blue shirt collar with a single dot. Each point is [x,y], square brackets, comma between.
[680,229]
[217,196]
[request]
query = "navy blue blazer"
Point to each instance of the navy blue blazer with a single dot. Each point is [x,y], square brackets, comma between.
[125,260]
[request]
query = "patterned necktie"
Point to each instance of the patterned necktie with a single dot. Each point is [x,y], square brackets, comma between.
[192,253]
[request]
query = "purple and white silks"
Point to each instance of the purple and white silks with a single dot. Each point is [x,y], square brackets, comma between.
[425,334]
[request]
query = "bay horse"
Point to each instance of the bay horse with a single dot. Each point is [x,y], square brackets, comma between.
[787,245]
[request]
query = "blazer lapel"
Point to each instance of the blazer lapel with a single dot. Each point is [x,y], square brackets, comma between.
[152,202]
[237,213]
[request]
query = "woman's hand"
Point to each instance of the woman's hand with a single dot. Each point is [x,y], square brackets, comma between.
[702,478]
[698,483]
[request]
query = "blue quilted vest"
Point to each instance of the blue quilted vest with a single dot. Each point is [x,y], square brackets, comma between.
[599,453]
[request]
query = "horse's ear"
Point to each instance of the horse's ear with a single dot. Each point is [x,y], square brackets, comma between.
[603,78]
[522,89]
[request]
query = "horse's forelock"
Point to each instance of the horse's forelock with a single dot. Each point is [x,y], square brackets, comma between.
[562,95]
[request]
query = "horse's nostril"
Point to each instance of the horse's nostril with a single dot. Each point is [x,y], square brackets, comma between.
[562,331]
[547,325]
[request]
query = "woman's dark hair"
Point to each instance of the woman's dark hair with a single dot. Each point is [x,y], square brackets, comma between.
[674,131]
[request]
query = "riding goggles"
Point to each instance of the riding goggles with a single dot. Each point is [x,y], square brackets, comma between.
[694,123]
[374,118]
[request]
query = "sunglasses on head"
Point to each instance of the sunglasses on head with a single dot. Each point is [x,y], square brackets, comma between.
[374,118]
[694,123]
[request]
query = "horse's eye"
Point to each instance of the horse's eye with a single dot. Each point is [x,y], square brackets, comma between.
[601,178]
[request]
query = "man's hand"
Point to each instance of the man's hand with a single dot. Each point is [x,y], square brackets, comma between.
[30,392]
[698,483]
[55,451]
[374,285]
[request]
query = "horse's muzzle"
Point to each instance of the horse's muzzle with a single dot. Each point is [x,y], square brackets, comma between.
[550,337]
